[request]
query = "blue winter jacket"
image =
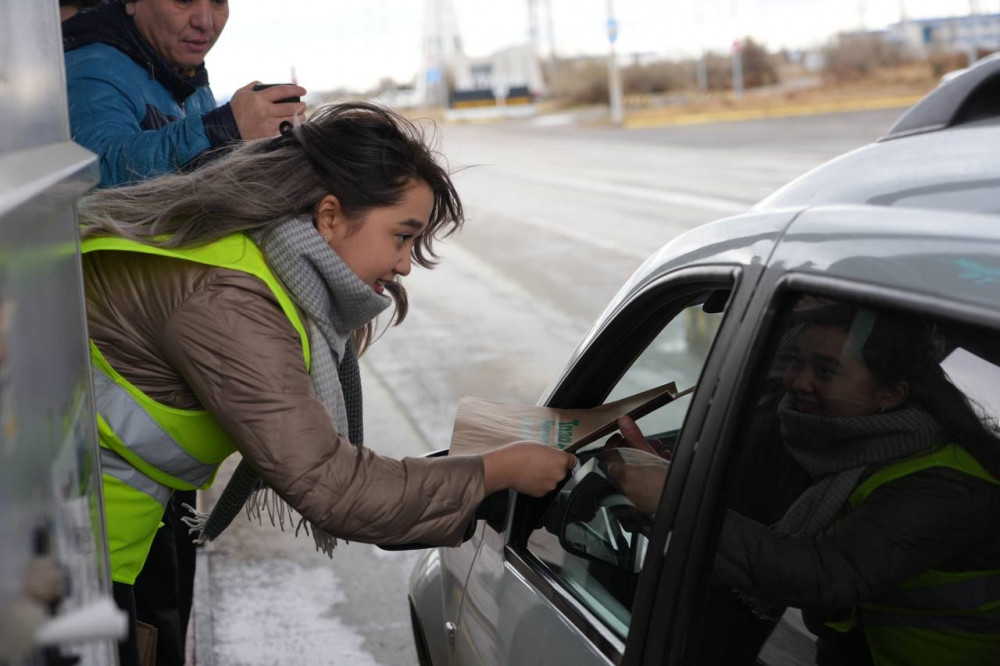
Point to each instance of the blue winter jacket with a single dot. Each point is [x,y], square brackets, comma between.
[139,115]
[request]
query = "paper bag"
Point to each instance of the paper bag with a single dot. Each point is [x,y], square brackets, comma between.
[481,425]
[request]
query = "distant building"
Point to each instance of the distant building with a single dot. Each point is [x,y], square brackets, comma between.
[958,33]
[508,81]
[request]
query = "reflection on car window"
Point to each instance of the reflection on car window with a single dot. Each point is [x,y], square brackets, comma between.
[593,536]
[862,519]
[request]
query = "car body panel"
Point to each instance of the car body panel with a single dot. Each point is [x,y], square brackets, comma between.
[951,256]
[506,620]
[957,170]
[427,596]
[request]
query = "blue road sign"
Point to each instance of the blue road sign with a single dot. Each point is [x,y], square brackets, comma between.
[612,30]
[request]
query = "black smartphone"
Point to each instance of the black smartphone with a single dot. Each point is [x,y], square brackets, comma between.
[261,86]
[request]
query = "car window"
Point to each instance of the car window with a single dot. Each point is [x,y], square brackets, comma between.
[593,536]
[860,520]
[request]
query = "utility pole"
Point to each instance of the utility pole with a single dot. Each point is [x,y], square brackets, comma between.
[973,53]
[701,66]
[738,69]
[614,77]
[737,53]
[533,32]
[551,30]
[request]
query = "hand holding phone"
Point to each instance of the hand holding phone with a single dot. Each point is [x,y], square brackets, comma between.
[260,108]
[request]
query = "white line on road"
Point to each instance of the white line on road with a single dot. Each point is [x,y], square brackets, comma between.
[716,204]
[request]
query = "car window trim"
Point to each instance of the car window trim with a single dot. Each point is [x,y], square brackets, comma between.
[694,520]
[682,282]
[691,280]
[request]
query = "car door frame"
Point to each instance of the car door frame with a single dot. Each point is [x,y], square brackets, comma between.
[697,518]
[587,383]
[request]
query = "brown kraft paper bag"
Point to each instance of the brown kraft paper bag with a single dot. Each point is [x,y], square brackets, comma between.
[481,425]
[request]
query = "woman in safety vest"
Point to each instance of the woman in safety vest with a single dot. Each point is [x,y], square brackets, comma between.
[226,310]
[892,550]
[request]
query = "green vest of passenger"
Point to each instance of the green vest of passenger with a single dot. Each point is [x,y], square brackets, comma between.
[937,617]
[147,448]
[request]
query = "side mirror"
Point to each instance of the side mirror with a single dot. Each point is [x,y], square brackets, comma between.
[600,524]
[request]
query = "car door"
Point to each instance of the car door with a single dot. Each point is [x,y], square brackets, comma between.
[533,596]
[943,288]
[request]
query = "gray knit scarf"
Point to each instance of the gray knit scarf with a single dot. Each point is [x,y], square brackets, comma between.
[836,452]
[336,302]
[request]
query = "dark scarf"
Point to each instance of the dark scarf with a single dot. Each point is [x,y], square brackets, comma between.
[836,452]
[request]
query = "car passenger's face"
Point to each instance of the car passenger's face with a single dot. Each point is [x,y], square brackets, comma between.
[181,31]
[824,378]
[379,248]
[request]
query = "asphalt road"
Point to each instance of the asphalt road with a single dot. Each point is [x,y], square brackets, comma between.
[558,218]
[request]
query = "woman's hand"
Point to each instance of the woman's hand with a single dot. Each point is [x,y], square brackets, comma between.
[527,467]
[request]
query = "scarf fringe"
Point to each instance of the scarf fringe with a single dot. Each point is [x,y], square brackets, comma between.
[265,500]
[196,524]
[261,501]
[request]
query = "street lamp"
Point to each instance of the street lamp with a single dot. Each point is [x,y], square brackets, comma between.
[614,78]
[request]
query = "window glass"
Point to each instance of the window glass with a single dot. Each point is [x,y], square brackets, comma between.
[861,518]
[594,535]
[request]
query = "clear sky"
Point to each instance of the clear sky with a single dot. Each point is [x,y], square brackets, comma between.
[335,43]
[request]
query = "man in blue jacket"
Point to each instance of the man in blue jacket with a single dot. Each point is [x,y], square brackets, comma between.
[139,94]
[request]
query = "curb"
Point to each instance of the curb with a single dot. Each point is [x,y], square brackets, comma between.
[786,111]
[201,611]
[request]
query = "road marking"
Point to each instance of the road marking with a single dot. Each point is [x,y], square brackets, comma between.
[716,204]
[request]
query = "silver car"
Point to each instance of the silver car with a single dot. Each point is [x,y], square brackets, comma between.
[598,573]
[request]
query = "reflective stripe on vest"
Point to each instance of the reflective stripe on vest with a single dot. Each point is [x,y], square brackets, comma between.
[115,466]
[980,623]
[946,591]
[938,616]
[144,436]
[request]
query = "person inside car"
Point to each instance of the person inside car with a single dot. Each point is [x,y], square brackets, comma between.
[893,549]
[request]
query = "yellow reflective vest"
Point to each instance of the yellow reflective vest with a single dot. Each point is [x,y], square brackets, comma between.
[937,617]
[147,449]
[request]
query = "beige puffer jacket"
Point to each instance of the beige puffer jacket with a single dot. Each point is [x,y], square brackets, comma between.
[194,336]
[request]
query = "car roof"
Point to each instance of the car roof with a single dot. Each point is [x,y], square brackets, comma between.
[941,154]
